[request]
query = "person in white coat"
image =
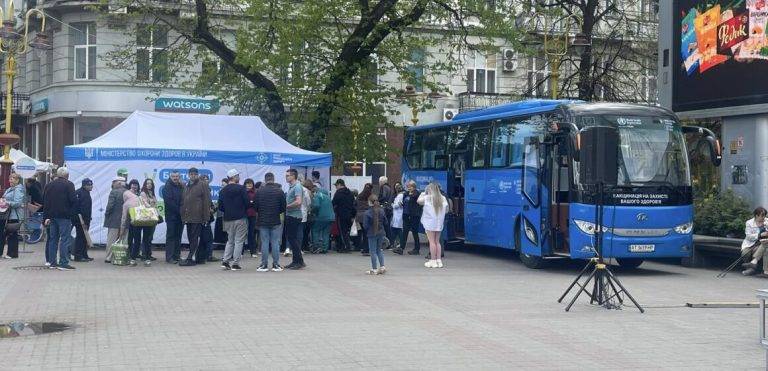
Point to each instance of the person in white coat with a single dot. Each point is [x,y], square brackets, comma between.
[755,242]
[397,214]
[433,218]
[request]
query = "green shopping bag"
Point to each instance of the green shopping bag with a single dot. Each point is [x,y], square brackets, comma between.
[120,253]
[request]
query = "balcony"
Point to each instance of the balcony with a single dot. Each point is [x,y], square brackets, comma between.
[19,103]
[470,101]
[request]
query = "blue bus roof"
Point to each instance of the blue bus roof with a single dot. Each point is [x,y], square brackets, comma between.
[525,107]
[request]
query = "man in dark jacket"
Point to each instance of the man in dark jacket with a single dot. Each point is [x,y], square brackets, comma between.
[411,218]
[344,208]
[233,202]
[59,201]
[172,194]
[195,211]
[113,215]
[269,204]
[34,190]
[82,220]
[386,197]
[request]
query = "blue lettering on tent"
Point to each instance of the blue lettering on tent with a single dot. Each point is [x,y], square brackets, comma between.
[165,174]
[73,153]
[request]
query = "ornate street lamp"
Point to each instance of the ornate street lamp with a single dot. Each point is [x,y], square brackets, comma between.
[556,46]
[13,44]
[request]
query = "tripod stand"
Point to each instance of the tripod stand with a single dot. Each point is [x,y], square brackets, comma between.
[604,283]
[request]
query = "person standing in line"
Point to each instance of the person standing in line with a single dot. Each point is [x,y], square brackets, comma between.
[148,199]
[233,202]
[293,227]
[374,222]
[195,212]
[306,214]
[14,200]
[250,189]
[411,216]
[322,211]
[49,240]
[172,195]
[123,173]
[205,253]
[130,200]
[316,179]
[344,208]
[397,216]
[433,218]
[83,210]
[113,215]
[270,204]
[386,197]
[58,203]
[361,204]
[219,234]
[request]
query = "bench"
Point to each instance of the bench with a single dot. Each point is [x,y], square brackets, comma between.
[709,251]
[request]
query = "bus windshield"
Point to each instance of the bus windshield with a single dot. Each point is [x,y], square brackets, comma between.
[651,149]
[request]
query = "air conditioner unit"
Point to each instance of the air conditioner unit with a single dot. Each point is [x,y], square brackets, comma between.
[450,113]
[26,107]
[509,60]
[184,14]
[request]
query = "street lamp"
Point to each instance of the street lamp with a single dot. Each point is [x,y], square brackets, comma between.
[13,44]
[556,47]
[412,96]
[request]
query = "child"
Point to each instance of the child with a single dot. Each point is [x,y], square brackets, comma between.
[373,223]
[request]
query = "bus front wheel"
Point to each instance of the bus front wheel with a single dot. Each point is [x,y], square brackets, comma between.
[532,261]
[629,263]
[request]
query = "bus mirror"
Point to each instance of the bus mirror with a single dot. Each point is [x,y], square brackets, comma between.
[710,139]
[576,147]
[714,150]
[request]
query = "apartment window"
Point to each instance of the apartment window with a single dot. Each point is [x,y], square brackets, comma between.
[86,132]
[538,76]
[151,56]
[481,73]
[84,44]
[416,69]
[369,71]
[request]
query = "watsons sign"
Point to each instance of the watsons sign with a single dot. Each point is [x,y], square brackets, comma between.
[187,105]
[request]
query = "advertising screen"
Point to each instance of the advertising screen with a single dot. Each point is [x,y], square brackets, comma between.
[721,54]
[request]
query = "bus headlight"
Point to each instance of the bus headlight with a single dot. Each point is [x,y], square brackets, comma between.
[587,227]
[684,228]
[530,232]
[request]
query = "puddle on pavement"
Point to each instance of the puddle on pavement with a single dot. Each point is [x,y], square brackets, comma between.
[20,328]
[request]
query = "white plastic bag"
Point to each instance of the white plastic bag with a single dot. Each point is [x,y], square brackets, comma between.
[354,229]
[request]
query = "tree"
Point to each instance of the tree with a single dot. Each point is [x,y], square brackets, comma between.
[623,36]
[309,67]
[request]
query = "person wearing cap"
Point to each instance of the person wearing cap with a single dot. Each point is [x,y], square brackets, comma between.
[112,214]
[195,212]
[172,193]
[82,220]
[58,203]
[344,208]
[233,205]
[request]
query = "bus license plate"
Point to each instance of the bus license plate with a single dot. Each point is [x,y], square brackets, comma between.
[642,248]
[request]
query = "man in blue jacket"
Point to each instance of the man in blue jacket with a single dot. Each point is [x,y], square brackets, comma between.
[172,196]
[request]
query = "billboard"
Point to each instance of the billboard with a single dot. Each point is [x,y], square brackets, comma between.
[720,54]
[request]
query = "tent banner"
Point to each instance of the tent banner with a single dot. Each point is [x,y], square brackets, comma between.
[72,153]
[102,173]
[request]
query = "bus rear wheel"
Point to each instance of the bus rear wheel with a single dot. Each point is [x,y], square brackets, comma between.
[629,263]
[532,261]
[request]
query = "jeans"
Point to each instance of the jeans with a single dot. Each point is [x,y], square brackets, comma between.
[344,225]
[252,246]
[237,230]
[81,250]
[321,233]
[147,234]
[134,241]
[112,235]
[396,233]
[206,244]
[173,239]
[270,236]
[374,244]
[410,224]
[60,230]
[193,235]
[294,231]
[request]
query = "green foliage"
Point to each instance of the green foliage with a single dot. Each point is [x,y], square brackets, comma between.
[720,214]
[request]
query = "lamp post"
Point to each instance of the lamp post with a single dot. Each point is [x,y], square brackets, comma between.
[13,44]
[556,47]
[412,96]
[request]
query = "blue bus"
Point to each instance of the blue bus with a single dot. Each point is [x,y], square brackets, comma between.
[512,175]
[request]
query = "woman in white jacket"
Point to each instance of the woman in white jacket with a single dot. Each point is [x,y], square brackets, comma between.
[754,244]
[397,214]
[433,217]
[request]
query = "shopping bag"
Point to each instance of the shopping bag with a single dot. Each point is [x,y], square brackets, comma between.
[86,232]
[354,229]
[120,253]
[142,216]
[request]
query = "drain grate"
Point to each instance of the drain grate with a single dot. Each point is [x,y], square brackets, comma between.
[20,328]
[31,268]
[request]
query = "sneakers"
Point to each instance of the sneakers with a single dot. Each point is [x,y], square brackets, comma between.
[236,267]
[262,268]
[287,252]
[132,263]
[277,268]
[382,270]
[413,252]
[439,263]
[397,251]
[147,263]
[66,268]
[431,264]
[254,255]
[372,272]
[225,265]
[187,263]
[6,257]
[47,264]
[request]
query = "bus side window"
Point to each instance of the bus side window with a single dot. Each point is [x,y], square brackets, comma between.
[479,148]
[413,150]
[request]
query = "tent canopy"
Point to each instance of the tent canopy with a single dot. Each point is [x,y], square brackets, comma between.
[194,137]
[41,166]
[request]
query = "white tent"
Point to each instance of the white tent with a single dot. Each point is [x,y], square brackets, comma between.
[153,145]
[41,166]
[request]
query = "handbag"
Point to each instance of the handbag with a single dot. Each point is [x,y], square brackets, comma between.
[11,228]
[144,216]
[353,230]
[33,207]
[120,253]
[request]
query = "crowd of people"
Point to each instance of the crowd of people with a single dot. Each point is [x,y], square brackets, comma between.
[255,216]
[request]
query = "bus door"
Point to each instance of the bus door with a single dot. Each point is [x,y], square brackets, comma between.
[560,185]
[478,217]
[457,156]
[533,200]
